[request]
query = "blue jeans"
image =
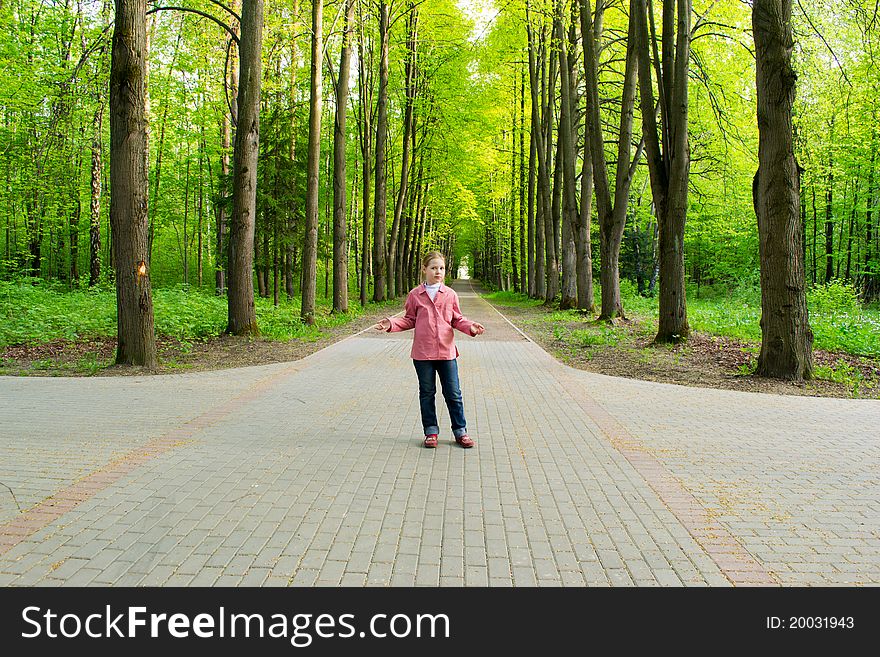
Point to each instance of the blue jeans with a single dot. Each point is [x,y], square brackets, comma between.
[427,371]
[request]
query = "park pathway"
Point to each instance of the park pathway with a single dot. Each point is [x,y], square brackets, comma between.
[312,473]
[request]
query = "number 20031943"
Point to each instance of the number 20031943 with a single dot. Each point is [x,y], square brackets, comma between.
[810,623]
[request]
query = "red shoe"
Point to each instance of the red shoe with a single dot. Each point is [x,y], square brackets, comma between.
[465,441]
[431,440]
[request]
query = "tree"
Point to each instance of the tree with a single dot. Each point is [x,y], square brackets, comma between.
[242,313]
[612,211]
[128,186]
[567,136]
[380,209]
[539,164]
[310,244]
[365,134]
[395,256]
[668,150]
[786,336]
[340,228]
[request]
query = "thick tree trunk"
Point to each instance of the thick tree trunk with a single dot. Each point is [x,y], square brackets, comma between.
[340,225]
[310,240]
[380,228]
[136,343]
[242,314]
[786,337]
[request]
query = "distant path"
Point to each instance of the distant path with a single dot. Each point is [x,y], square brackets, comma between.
[312,472]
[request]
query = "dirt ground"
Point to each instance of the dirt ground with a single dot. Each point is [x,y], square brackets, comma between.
[626,351]
[702,361]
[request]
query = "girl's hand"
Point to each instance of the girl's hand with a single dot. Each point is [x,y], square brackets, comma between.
[383,325]
[477,329]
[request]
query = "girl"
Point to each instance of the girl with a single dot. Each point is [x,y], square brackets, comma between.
[433,310]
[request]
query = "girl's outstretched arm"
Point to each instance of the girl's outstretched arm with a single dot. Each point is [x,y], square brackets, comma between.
[394,324]
[462,323]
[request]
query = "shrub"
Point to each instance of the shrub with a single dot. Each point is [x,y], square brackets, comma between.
[834,297]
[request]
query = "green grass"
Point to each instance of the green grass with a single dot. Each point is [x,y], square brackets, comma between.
[42,312]
[839,322]
[511,299]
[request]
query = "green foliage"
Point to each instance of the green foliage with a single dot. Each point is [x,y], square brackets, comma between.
[834,297]
[736,314]
[37,312]
[512,299]
[845,373]
[188,314]
[596,335]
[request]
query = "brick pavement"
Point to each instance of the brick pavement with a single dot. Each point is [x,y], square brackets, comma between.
[312,473]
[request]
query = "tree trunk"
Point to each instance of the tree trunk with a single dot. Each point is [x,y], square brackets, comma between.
[290,242]
[201,207]
[340,224]
[136,343]
[569,153]
[829,217]
[242,313]
[583,239]
[380,228]
[849,236]
[542,214]
[534,250]
[786,337]
[668,151]
[310,241]
[871,274]
[231,83]
[95,204]
[394,265]
[184,249]
[259,263]
[514,261]
[526,260]
[612,212]
[554,208]
[365,105]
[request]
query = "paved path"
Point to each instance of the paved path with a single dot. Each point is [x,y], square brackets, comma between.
[312,472]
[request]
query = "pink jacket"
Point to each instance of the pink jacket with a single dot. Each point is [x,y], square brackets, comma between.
[433,322]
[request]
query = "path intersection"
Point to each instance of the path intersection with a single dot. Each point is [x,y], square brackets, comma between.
[312,473]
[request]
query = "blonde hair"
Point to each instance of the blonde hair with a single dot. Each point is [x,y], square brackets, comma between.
[426,260]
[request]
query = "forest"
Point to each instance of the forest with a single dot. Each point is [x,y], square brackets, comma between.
[303,155]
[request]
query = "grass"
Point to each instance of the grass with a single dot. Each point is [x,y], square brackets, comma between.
[34,312]
[839,322]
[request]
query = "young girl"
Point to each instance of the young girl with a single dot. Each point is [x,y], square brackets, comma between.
[433,310]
